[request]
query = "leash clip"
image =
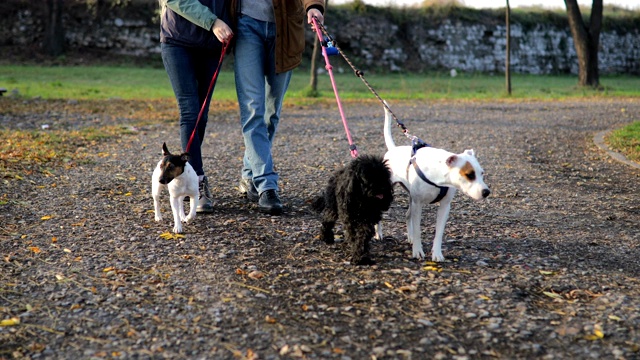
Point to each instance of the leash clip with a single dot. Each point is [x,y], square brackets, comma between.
[329,47]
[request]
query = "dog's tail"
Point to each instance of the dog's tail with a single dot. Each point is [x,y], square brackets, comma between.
[388,137]
[318,203]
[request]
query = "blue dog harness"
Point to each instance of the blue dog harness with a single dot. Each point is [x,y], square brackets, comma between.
[417,144]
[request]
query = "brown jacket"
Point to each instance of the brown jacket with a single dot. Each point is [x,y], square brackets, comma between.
[291,18]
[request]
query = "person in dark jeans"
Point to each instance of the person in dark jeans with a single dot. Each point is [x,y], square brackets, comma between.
[269,43]
[191,36]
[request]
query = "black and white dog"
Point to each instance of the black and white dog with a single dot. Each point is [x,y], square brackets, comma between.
[175,174]
[357,195]
[431,176]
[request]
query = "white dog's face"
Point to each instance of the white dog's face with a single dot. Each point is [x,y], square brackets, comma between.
[467,173]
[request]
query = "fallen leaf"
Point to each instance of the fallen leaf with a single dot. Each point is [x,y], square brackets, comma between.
[552,295]
[545,272]
[615,318]
[256,274]
[269,319]
[432,268]
[108,269]
[10,322]
[35,249]
[407,288]
[46,217]
[388,285]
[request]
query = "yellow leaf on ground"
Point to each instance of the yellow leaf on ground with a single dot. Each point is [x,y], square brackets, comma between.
[615,318]
[46,217]
[432,268]
[35,249]
[10,322]
[388,285]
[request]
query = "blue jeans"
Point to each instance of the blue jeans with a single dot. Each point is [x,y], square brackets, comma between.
[190,72]
[260,93]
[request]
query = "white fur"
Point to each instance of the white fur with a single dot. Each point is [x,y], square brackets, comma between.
[184,185]
[442,168]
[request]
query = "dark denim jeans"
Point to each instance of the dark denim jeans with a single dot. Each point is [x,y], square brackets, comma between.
[260,93]
[190,72]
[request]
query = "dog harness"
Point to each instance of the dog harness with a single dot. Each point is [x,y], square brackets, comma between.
[443,189]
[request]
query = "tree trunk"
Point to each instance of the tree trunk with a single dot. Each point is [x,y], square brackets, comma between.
[507,70]
[53,30]
[313,82]
[586,41]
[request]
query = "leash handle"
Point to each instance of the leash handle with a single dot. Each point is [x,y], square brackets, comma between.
[225,45]
[352,146]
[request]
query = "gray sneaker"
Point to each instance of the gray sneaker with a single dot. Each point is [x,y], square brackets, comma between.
[205,204]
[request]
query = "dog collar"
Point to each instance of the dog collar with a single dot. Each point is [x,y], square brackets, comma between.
[421,175]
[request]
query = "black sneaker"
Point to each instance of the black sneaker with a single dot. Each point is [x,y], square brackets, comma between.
[247,189]
[270,203]
[205,204]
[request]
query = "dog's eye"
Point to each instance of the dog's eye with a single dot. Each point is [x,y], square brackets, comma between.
[471,176]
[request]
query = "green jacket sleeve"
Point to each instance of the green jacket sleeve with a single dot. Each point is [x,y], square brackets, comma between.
[193,11]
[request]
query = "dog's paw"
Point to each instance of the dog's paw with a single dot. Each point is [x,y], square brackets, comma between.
[438,257]
[418,253]
[158,217]
[189,218]
[177,228]
[327,237]
[365,260]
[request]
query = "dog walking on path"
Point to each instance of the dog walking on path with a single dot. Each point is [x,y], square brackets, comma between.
[175,174]
[357,195]
[431,176]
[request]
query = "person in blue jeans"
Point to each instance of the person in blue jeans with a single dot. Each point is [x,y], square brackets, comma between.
[191,37]
[269,42]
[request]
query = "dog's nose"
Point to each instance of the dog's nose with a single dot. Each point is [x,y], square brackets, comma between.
[486,193]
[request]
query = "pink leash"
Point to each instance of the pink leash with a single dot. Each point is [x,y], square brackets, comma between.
[213,81]
[352,146]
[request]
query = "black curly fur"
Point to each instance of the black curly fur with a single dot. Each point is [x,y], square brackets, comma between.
[357,195]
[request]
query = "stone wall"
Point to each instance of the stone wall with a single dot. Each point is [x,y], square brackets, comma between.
[372,40]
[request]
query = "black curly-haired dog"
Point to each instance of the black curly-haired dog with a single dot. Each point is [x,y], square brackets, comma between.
[357,195]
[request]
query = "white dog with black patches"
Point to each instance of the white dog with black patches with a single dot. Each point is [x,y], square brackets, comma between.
[176,175]
[431,176]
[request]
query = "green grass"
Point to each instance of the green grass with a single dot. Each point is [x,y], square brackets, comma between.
[96,82]
[147,83]
[627,141]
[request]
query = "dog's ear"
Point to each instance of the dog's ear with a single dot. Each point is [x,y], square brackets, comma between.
[185,157]
[165,151]
[470,152]
[451,160]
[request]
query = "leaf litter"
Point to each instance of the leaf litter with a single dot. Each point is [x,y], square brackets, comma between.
[546,267]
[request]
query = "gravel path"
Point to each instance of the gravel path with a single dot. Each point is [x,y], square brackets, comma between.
[546,268]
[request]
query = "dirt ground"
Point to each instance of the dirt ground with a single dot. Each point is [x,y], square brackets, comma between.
[545,268]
